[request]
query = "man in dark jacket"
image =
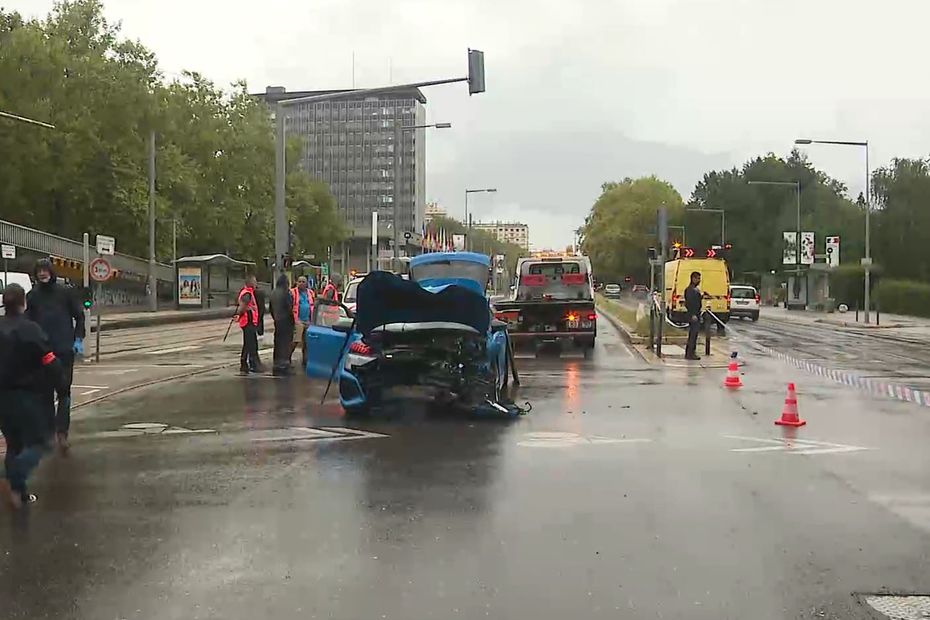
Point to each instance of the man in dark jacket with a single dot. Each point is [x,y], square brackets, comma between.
[282,311]
[28,371]
[693,304]
[57,311]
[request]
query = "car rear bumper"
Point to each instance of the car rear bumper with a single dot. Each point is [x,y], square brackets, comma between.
[737,311]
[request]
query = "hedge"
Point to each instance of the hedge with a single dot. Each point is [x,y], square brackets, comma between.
[903,297]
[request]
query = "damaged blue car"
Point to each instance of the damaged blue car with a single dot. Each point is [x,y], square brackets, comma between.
[432,335]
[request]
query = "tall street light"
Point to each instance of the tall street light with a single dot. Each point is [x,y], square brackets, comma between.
[395,198]
[797,186]
[468,221]
[867,261]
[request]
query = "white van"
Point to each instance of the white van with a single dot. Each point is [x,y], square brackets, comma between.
[14,277]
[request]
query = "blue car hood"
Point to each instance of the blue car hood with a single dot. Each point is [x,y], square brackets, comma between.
[384,298]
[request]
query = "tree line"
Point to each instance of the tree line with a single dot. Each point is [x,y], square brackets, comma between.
[621,224]
[106,95]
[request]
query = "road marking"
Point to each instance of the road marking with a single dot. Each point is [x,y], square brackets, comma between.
[794,446]
[324,433]
[553,439]
[173,350]
[88,392]
[138,429]
[90,387]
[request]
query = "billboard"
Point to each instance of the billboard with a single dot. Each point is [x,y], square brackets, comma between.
[189,286]
[789,251]
[807,248]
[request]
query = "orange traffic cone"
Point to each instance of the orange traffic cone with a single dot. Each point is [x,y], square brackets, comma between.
[789,415]
[733,380]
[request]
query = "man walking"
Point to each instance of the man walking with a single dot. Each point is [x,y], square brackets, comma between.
[283,315]
[303,310]
[247,311]
[28,371]
[693,307]
[57,311]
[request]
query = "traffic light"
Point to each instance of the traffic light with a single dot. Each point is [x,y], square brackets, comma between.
[86,296]
[475,71]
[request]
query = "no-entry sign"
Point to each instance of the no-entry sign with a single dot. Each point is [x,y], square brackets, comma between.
[100,270]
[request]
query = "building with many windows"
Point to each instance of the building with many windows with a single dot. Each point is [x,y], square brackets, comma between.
[507,232]
[357,144]
[433,209]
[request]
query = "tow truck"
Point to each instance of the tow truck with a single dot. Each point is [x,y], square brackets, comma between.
[552,303]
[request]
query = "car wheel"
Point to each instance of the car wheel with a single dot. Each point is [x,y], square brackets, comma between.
[755,317]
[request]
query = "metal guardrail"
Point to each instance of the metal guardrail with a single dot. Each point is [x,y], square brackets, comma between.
[53,245]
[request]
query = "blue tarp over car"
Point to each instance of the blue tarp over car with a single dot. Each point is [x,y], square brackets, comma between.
[384,298]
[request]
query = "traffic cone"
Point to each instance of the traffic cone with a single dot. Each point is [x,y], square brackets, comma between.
[789,415]
[733,380]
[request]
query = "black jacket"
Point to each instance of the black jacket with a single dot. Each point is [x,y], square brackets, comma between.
[693,301]
[26,360]
[57,311]
[282,304]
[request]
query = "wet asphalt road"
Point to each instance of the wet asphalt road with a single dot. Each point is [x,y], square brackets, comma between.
[618,496]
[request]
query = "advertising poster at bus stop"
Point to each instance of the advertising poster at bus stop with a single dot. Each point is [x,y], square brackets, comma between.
[789,252]
[189,286]
[807,248]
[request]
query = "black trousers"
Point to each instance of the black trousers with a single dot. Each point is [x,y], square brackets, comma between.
[24,424]
[248,359]
[283,337]
[58,399]
[694,330]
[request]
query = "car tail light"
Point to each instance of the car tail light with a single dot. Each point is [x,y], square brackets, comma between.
[592,316]
[675,299]
[758,299]
[360,348]
[573,278]
[571,317]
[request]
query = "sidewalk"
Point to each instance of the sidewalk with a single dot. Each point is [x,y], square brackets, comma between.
[123,320]
[847,319]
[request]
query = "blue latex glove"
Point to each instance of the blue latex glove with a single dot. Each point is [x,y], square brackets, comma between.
[79,346]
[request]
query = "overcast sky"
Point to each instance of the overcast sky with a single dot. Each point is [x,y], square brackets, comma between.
[580,92]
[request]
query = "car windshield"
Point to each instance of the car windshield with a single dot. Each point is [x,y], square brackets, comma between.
[742,292]
[451,270]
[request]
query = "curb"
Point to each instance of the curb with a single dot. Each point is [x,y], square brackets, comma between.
[148,320]
[624,334]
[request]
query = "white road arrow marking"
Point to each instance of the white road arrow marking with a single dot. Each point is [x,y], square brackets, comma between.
[794,446]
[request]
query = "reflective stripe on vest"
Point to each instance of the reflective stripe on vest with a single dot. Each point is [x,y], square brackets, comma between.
[250,309]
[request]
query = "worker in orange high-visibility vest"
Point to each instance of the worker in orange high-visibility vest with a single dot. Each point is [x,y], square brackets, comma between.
[331,290]
[329,313]
[247,313]
[302,299]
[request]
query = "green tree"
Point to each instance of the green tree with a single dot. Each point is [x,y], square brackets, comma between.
[901,221]
[105,95]
[621,226]
[756,215]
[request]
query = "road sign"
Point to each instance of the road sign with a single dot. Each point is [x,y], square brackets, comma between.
[866,262]
[106,245]
[9,251]
[100,270]
[711,253]
[687,252]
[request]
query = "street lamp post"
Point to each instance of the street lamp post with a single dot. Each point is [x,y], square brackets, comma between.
[395,196]
[467,222]
[867,261]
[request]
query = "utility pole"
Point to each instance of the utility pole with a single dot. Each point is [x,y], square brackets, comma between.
[153,283]
[398,148]
[280,210]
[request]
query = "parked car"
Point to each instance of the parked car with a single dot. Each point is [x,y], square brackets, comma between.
[612,291]
[744,301]
[640,290]
[432,334]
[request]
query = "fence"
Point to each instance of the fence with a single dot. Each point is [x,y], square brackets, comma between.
[53,245]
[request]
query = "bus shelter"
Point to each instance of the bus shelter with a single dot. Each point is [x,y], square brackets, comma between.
[209,280]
